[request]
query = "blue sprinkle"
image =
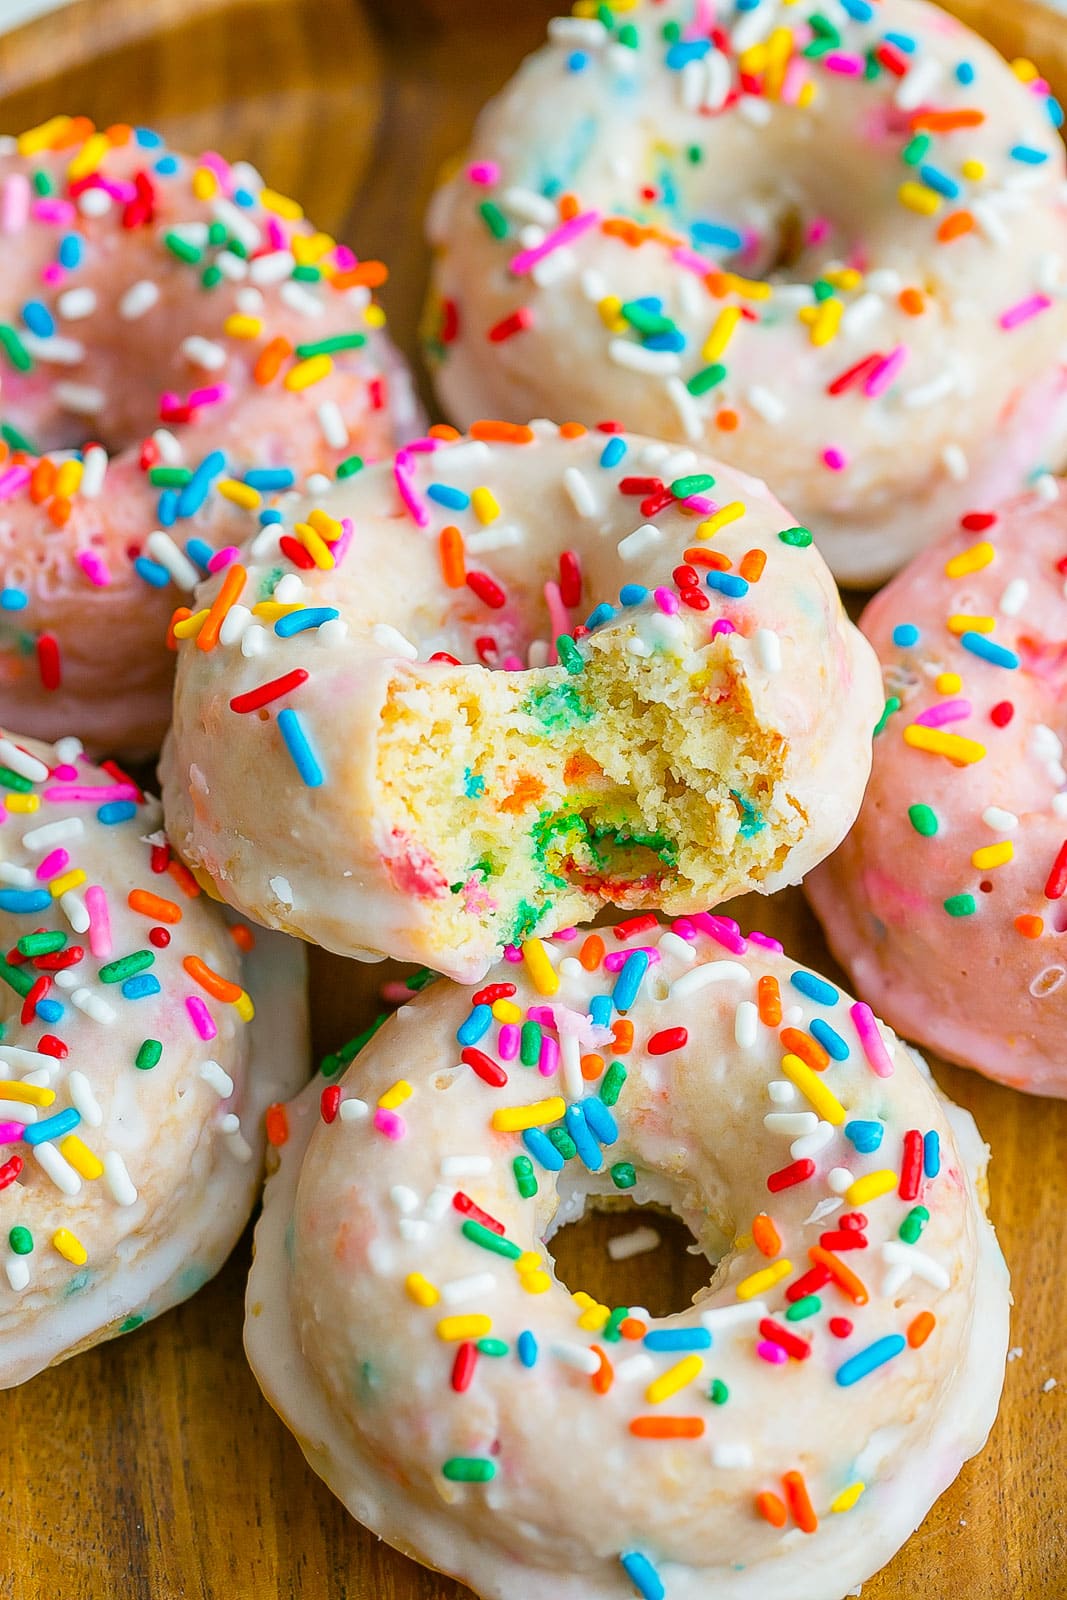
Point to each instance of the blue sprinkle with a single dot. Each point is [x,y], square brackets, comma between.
[629,980]
[307,617]
[199,552]
[965,73]
[13,599]
[829,1038]
[270,518]
[151,572]
[600,1010]
[903,41]
[50,1011]
[148,138]
[638,1568]
[906,634]
[632,594]
[38,318]
[717,235]
[995,654]
[727,583]
[939,181]
[602,1124]
[685,50]
[141,986]
[446,495]
[113,811]
[601,613]
[52,1127]
[931,1154]
[304,758]
[669,339]
[542,1149]
[476,1026]
[613,451]
[866,1136]
[267,478]
[167,166]
[195,492]
[876,1355]
[858,10]
[1028,154]
[664,1339]
[167,508]
[526,1345]
[70,251]
[817,989]
[577,61]
[589,1152]
[24,901]
[1055,111]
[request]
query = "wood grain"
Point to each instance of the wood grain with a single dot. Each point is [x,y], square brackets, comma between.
[151,1469]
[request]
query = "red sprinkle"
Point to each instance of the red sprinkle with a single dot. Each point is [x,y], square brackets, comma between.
[640,485]
[845,1238]
[1057,878]
[464,1365]
[911,1167]
[269,691]
[490,1071]
[786,1177]
[1002,713]
[10,1171]
[978,521]
[840,1327]
[799,1349]
[508,327]
[643,924]
[463,1203]
[570,579]
[36,992]
[48,661]
[160,858]
[160,937]
[58,960]
[276,1123]
[296,553]
[491,992]
[811,1282]
[49,1045]
[668,1039]
[486,589]
[852,375]
[330,1102]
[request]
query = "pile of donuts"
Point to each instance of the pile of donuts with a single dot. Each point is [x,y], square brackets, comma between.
[526,705]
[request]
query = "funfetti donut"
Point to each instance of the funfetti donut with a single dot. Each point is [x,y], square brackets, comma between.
[826,247]
[681,709]
[785,1434]
[142,1038]
[178,345]
[946,901]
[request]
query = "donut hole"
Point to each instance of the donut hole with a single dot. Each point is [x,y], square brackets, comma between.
[608,1251]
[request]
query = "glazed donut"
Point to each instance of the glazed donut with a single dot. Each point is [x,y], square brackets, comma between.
[946,901]
[141,1041]
[784,1435]
[827,249]
[184,317]
[704,730]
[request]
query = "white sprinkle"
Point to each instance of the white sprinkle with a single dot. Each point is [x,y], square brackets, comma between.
[594,285]
[999,820]
[635,1243]
[636,358]
[1014,1353]
[232,267]
[954,461]
[1014,597]
[170,450]
[317,483]
[928,394]
[572,31]
[635,1368]
[404,1198]
[74,304]
[922,1265]
[332,424]
[27,1061]
[20,877]
[18,1272]
[203,352]
[58,1168]
[22,762]
[249,301]
[162,548]
[765,404]
[239,1147]
[577,1356]
[56,351]
[730,1456]
[719,77]
[460,1291]
[234,623]
[1046,488]
[138,299]
[553,268]
[638,543]
[298,299]
[570,1052]
[709,972]
[15,1111]
[861,313]
[791,1122]
[525,205]
[579,492]
[466,1166]
[69,749]
[502,536]
[272,268]
[93,1005]
[413,1228]
[840,1179]
[254,640]
[815,1141]
[746,1025]
[439,1201]
[83,399]
[990,222]
[238,223]
[538,653]
[69,979]
[756,111]
[331,633]
[391,639]
[1048,1385]
[118,1180]
[689,413]
[94,202]
[752,27]
[94,471]
[768,649]
[728,1316]
[917,84]
[675,945]
[217,1078]
[282,889]
[353,1109]
[84,1100]
[780,1090]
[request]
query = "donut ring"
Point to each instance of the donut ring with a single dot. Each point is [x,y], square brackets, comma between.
[707,734]
[946,901]
[830,258]
[139,1051]
[180,314]
[785,1434]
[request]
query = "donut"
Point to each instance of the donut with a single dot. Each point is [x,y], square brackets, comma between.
[684,711]
[783,1435]
[142,1038]
[870,314]
[946,902]
[177,346]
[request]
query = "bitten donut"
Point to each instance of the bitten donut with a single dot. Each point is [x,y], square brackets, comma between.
[683,712]
[781,1437]
[142,1039]
[946,901]
[828,248]
[177,345]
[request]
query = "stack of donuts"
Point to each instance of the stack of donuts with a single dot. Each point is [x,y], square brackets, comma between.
[526,702]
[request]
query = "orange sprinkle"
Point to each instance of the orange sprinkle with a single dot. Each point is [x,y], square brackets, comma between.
[269,361]
[765,1235]
[502,432]
[276,1123]
[727,420]
[42,480]
[633,1328]
[444,430]
[453,564]
[622,1036]
[808,1049]
[771,1509]
[592,952]
[527,791]
[769,1002]
[569,207]
[367,275]
[667,1427]
[796,1492]
[954,226]
[603,1379]
[946,121]
[153,905]
[912,301]
[221,606]
[592,1067]
[920,1328]
[59,511]
[709,558]
[752,565]
[217,986]
[843,1276]
[242,936]
[572,430]
[1030,927]
[118,134]
[179,615]
[77,131]
[183,878]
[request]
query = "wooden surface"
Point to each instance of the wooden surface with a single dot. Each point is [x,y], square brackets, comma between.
[151,1469]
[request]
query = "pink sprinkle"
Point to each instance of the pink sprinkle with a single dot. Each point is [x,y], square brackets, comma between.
[667,601]
[60,212]
[484,173]
[513,954]
[508,1043]
[345,257]
[684,929]
[819,230]
[878,1057]
[794,79]
[513,664]
[95,568]
[835,459]
[391,1123]
[773,1353]
[65,773]
[10,1132]
[222,558]
[14,203]
[526,259]
[559,618]
[615,960]
[723,930]
[566,934]
[200,1017]
[99,922]
[53,273]
[548,1061]
[423,447]
[276,234]
[217,164]
[765,942]
[693,262]
[53,865]
[879,380]
[11,481]
[93,793]
[700,504]
[542,1014]
[722,625]
[947,711]
[844,65]
[213,395]
[340,549]
[401,473]
[1024,311]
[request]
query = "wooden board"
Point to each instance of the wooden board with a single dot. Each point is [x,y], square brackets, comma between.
[151,1469]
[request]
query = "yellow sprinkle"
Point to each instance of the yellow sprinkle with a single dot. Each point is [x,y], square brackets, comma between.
[1024,69]
[305,373]
[721,334]
[281,205]
[753,60]
[70,1247]
[205,183]
[763,1280]
[316,547]
[22,804]
[325,526]
[241,494]
[826,322]
[309,248]
[396,1096]
[725,514]
[68,880]
[583,1300]
[271,610]
[610,309]
[848,1497]
[241,326]
[748,288]
[244,1007]
[27,1094]
[871,1187]
[973,170]
[189,627]
[847,278]
[593,1320]
[972,559]
[452,1329]
[81,1158]
[530,1261]
[537,1282]
[961,623]
[806,95]
[993,855]
[948,683]
[43,137]
[542,972]
[813,1089]
[516,1119]
[68,479]
[952,745]
[779,51]
[506,1011]
[421,1290]
[677,1377]
[486,505]
[374,316]
[917,197]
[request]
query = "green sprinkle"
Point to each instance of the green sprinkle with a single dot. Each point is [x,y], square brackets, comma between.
[21,1240]
[14,780]
[126,966]
[211,277]
[169,477]
[16,978]
[718,1394]
[525,1178]
[182,248]
[914,1223]
[348,1052]
[329,347]
[822,290]
[418,981]
[623,1175]
[562,1142]
[307,274]
[530,1044]
[806,1307]
[492,1347]
[134,1320]
[612,1082]
[694,155]
[707,378]
[14,348]
[148,1055]
[799,538]
[42,182]
[961,905]
[891,706]
[349,466]
[611,1334]
[569,654]
[477,1233]
[645,322]
[18,441]
[494,219]
[469,1469]
[671,32]
[695,483]
[40,944]
[628,36]
[915,149]
[923,820]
